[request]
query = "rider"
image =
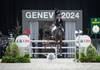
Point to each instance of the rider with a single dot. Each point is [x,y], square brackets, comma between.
[59,21]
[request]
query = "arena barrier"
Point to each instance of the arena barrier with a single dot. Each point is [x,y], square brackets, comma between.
[69,50]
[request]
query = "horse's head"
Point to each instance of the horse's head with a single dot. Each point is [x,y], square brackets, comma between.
[57,31]
[53,27]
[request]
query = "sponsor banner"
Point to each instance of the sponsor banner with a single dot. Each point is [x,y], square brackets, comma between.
[83,41]
[22,41]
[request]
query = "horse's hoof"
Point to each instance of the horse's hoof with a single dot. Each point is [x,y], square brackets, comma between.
[60,54]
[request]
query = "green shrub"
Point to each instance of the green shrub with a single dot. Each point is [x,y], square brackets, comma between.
[26,56]
[97,58]
[12,55]
[18,59]
[90,55]
[12,50]
[8,51]
[86,59]
[26,60]
[83,58]
[82,55]
[8,59]
[22,59]
[5,59]
[91,52]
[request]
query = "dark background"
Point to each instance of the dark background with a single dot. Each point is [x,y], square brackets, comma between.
[10,10]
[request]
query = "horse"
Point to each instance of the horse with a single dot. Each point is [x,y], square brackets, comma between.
[54,33]
[57,34]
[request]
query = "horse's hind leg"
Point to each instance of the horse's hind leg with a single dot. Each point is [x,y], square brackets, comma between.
[60,47]
[57,46]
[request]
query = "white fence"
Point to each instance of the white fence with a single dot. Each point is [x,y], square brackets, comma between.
[69,50]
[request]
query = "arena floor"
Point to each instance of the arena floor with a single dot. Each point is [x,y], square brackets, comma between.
[44,64]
